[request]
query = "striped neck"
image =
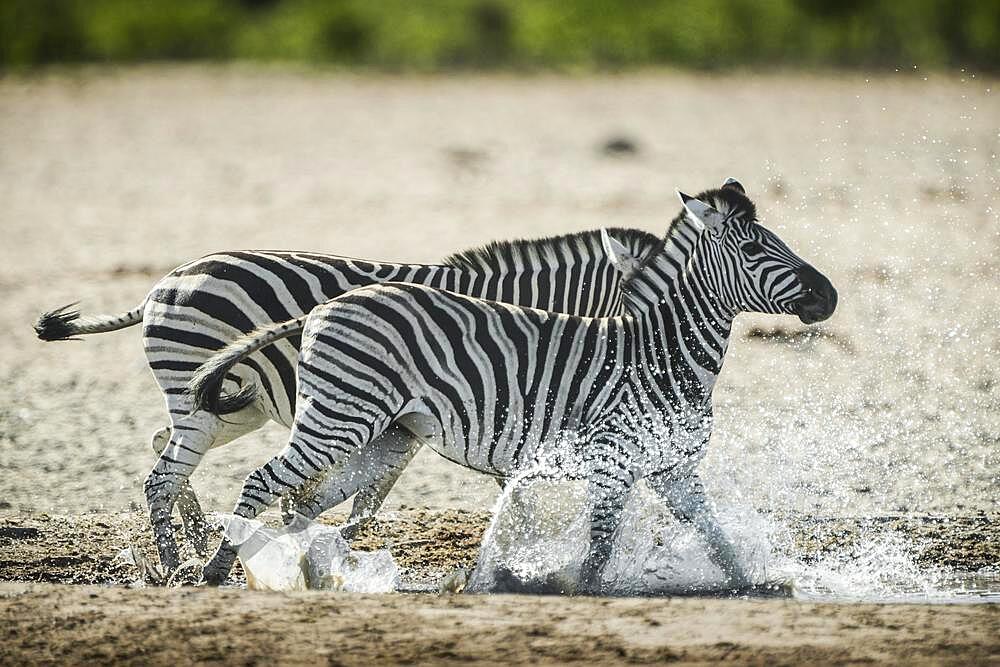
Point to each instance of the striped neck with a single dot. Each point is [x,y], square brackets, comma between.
[681,325]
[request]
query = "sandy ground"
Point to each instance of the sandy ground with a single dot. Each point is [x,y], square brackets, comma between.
[59,624]
[889,184]
[108,179]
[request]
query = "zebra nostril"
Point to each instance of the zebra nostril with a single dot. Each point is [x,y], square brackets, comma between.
[812,283]
[807,293]
[817,298]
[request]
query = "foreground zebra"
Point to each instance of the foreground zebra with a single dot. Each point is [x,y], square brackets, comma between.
[490,385]
[202,306]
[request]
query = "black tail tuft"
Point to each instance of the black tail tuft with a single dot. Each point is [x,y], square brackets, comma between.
[57,324]
[205,388]
[205,385]
[230,403]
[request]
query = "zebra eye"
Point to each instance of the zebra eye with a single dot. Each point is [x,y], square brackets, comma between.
[752,248]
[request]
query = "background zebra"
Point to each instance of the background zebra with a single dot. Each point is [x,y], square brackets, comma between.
[202,306]
[491,385]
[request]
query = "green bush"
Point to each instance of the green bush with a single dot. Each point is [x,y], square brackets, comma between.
[450,34]
[155,30]
[44,31]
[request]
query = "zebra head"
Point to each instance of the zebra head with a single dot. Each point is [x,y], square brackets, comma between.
[747,265]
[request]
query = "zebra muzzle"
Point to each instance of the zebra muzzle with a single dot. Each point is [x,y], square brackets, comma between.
[818,298]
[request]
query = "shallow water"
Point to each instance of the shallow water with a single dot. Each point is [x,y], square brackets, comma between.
[538,539]
[953,587]
[948,587]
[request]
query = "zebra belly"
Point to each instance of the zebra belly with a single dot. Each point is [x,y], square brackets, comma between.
[429,431]
[424,427]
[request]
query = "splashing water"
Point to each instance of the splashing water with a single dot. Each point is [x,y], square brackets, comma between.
[539,537]
[307,555]
[883,566]
[880,566]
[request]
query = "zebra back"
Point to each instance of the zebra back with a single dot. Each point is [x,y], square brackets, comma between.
[204,306]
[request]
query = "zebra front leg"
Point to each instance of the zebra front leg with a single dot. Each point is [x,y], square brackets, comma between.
[608,491]
[685,496]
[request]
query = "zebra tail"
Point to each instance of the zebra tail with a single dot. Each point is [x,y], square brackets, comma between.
[65,323]
[205,385]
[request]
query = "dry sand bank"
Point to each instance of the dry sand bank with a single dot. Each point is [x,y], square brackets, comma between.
[58,624]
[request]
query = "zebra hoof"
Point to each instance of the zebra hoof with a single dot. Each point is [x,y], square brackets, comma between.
[213,577]
[594,590]
[591,579]
[591,586]
[169,560]
[350,530]
[738,579]
[216,571]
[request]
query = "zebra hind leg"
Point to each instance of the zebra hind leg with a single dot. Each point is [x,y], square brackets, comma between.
[370,473]
[304,459]
[396,448]
[196,528]
[281,475]
[191,436]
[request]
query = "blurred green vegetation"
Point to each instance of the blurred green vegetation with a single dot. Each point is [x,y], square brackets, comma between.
[513,34]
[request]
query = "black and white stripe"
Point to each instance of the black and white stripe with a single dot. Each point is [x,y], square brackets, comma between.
[207,304]
[491,385]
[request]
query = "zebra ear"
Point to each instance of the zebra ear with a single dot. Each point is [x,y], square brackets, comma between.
[735,185]
[620,257]
[707,215]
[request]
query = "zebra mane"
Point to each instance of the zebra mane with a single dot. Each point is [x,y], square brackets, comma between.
[730,201]
[499,255]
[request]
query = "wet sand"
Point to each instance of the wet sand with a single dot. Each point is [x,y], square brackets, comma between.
[55,622]
[429,545]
